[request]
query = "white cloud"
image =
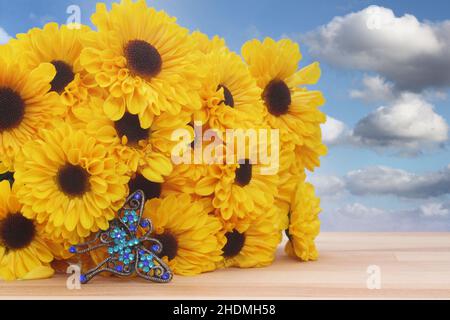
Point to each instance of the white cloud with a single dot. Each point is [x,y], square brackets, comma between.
[4,36]
[360,217]
[334,131]
[382,180]
[409,125]
[435,210]
[410,53]
[358,210]
[328,186]
[375,89]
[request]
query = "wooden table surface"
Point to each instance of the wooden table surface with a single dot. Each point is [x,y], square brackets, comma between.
[412,265]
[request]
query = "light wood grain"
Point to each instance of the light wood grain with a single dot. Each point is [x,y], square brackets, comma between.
[413,265]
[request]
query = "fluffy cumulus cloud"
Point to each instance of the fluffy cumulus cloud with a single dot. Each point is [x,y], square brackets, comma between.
[358,210]
[374,89]
[435,210]
[328,186]
[410,53]
[409,125]
[4,36]
[334,131]
[381,180]
[360,217]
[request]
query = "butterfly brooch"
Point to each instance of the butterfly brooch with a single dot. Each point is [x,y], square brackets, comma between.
[128,253]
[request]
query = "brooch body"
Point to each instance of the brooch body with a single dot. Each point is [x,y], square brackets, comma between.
[130,248]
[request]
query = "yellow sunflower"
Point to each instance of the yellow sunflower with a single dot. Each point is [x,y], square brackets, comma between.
[144,60]
[146,152]
[304,224]
[252,243]
[69,181]
[60,46]
[24,252]
[206,45]
[240,190]
[187,232]
[25,104]
[230,96]
[290,175]
[290,106]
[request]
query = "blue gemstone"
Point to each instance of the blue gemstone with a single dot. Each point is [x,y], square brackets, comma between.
[73,249]
[165,276]
[132,228]
[141,252]
[119,268]
[155,247]
[137,196]
[83,278]
[144,224]
[146,263]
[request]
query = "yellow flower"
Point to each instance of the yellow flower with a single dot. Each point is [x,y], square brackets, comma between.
[238,191]
[252,243]
[144,60]
[291,107]
[69,181]
[143,151]
[304,224]
[291,174]
[24,253]
[25,104]
[60,46]
[230,96]
[187,232]
[206,45]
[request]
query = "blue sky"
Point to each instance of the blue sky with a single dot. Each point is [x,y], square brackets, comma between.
[387,169]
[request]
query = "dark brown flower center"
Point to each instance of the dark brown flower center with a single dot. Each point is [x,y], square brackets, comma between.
[73,180]
[130,127]
[143,59]
[228,96]
[151,189]
[12,109]
[244,173]
[234,245]
[16,231]
[64,76]
[9,176]
[277,97]
[169,245]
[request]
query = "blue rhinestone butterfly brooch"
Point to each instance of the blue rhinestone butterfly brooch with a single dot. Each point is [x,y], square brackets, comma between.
[128,254]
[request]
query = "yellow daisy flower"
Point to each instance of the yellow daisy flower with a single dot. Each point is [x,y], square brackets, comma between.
[60,46]
[291,173]
[69,181]
[304,224]
[144,60]
[230,96]
[240,190]
[187,232]
[206,45]
[24,252]
[290,106]
[144,151]
[252,243]
[25,104]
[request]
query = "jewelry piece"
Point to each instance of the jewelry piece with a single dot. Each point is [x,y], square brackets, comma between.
[128,253]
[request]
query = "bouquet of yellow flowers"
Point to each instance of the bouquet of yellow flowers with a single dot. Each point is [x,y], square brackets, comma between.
[219,143]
